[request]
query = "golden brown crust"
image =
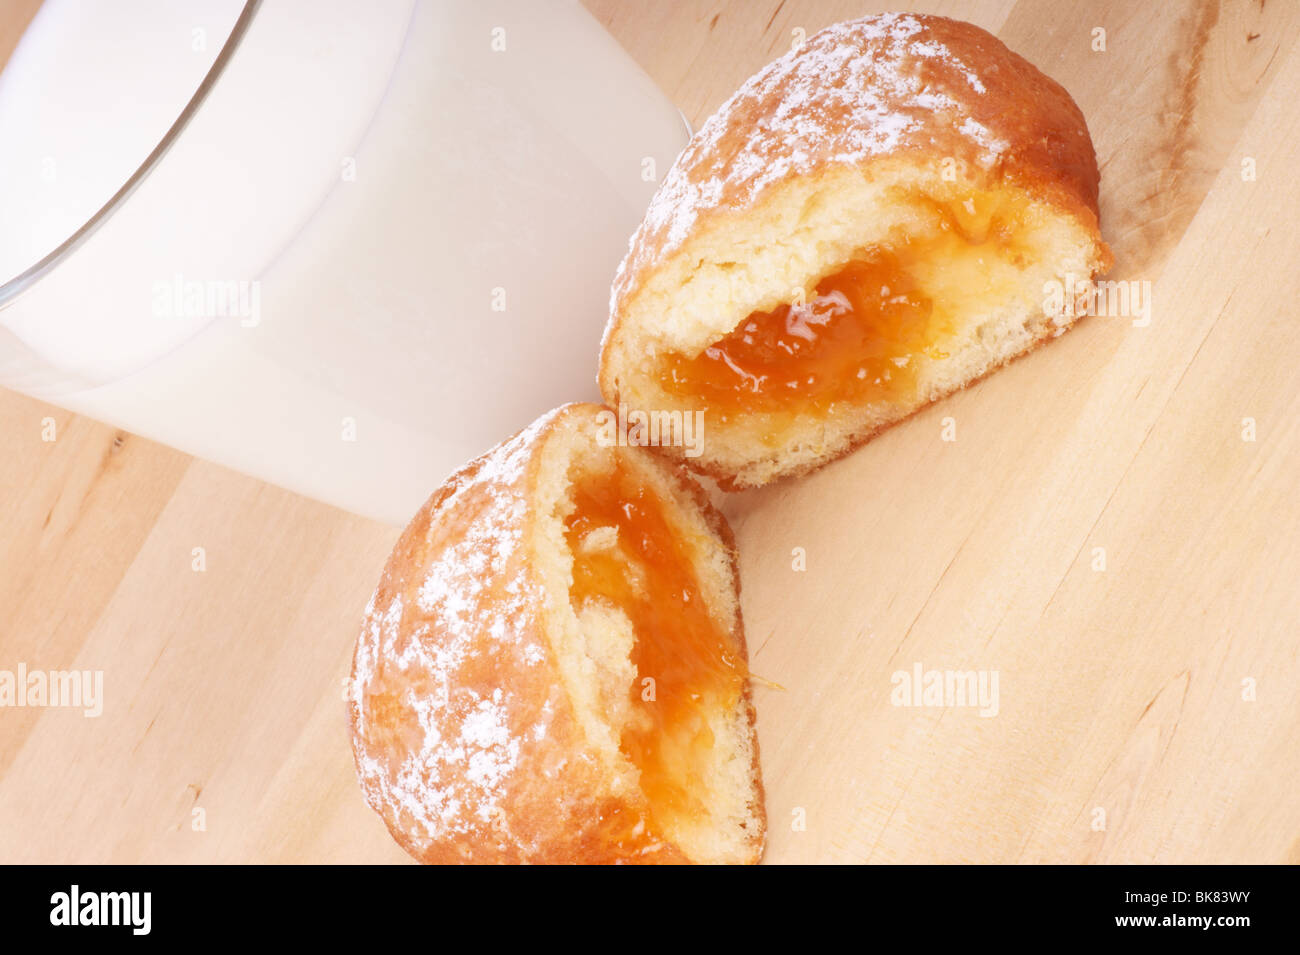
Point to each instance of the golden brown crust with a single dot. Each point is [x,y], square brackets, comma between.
[881,86]
[465,740]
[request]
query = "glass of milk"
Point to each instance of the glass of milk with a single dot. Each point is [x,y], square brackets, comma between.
[340,247]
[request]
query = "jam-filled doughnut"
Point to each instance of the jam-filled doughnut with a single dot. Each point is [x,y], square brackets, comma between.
[873,221]
[553,667]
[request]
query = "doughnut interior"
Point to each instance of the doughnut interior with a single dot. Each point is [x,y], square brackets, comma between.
[846,305]
[650,646]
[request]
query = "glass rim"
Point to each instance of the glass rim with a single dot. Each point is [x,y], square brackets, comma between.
[28,277]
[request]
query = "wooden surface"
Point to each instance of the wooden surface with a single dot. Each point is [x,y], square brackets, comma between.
[1148,711]
[14,18]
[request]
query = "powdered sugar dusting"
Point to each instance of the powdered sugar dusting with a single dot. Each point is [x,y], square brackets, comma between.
[940,52]
[982,134]
[423,651]
[853,91]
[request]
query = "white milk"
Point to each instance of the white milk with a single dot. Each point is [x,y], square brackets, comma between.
[406,217]
[82,138]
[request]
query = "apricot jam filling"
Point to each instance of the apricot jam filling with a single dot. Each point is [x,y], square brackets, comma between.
[648,574]
[861,332]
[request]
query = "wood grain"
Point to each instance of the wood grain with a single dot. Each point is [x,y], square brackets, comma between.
[1148,711]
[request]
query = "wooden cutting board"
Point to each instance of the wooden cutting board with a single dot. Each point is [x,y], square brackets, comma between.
[1111,531]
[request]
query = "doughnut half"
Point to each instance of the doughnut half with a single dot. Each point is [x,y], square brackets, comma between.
[875,220]
[553,667]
